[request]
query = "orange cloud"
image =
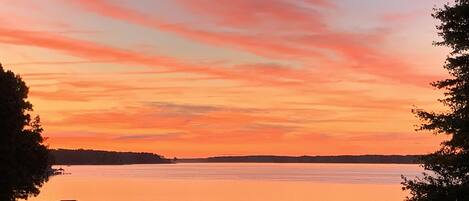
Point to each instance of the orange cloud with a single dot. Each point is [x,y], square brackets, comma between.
[95,51]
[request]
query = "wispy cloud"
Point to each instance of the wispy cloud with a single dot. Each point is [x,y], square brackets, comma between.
[310,40]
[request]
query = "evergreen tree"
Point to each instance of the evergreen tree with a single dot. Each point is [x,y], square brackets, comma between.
[24,161]
[448,168]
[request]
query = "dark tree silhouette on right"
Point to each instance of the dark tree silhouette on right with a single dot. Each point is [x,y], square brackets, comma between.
[448,168]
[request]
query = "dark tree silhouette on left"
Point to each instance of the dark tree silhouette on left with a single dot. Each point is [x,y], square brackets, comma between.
[24,160]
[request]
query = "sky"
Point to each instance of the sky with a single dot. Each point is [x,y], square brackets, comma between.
[195,78]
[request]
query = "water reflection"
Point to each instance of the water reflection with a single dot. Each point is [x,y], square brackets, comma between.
[230,181]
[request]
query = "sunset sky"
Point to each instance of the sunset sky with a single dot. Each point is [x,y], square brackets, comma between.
[191,78]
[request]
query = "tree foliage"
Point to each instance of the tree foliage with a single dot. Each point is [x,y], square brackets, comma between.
[24,161]
[448,168]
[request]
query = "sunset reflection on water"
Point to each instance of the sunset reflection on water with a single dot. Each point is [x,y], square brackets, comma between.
[231,182]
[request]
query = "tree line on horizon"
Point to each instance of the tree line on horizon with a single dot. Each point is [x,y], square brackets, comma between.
[98,157]
[25,161]
[378,159]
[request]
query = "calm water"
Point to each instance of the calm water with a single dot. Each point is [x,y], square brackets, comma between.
[230,182]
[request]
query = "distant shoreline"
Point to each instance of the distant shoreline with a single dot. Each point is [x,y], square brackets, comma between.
[363,159]
[99,157]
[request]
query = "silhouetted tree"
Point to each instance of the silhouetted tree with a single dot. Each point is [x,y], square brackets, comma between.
[448,178]
[24,162]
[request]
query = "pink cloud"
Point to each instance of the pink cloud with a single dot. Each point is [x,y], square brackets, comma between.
[310,40]
[258,14]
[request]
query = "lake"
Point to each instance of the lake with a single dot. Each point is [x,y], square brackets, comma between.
[229,182]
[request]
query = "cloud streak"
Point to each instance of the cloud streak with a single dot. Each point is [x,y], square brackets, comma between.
[310,40]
